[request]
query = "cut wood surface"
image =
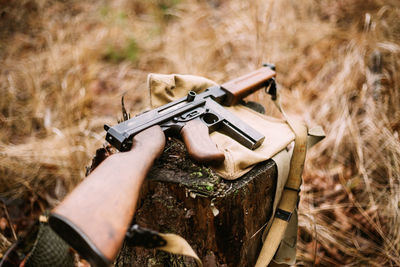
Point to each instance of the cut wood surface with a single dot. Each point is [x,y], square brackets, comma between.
[220,219]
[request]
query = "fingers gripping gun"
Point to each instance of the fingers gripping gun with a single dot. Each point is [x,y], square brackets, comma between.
[195,115]
[95,216]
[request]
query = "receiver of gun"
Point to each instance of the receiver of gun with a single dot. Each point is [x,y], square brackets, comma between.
[205,107]
[97,228]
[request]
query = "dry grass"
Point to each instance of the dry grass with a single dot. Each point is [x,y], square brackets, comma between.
[65,65]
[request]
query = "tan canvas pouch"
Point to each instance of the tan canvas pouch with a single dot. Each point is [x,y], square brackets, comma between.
[238,159]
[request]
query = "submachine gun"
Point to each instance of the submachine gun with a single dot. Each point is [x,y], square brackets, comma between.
[94,217]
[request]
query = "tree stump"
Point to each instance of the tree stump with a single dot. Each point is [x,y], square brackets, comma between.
[220,219]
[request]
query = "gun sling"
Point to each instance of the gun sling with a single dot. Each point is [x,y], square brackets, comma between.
[289,198]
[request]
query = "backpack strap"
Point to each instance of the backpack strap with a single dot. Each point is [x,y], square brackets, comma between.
[290,194]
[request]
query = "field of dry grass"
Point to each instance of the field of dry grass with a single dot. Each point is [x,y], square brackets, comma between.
[66,64]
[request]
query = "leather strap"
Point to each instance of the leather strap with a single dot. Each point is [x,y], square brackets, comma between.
[286,207]
[178,245]
[172,243]
[289,198]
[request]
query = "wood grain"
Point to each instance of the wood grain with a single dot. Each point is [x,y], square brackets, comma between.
[100,209]
[244,85]
[199,144]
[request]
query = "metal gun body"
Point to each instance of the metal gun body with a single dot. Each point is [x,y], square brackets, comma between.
[173,116]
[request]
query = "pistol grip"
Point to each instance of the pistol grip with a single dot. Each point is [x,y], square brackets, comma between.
[199,144]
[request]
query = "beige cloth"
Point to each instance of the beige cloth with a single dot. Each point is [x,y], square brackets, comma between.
[165,88]
[238,159]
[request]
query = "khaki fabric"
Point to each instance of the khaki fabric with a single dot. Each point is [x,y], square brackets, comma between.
[286,253]
[178,245]
[278,145]
[165,88]
[238,159]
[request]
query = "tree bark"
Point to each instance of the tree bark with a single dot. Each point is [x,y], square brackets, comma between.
[220,219]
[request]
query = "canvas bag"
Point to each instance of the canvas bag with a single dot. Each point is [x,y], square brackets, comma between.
[238,159]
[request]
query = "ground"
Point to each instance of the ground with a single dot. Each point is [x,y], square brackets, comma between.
[66,64]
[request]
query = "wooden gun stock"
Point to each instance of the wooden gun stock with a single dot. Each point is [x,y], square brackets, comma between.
[243,86]
[199,144]
[94,217]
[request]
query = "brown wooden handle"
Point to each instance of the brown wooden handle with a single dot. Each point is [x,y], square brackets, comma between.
[246,84]
[95,216]
[199,144]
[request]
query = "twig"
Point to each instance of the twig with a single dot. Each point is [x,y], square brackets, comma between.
[9,221]
[316,241]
